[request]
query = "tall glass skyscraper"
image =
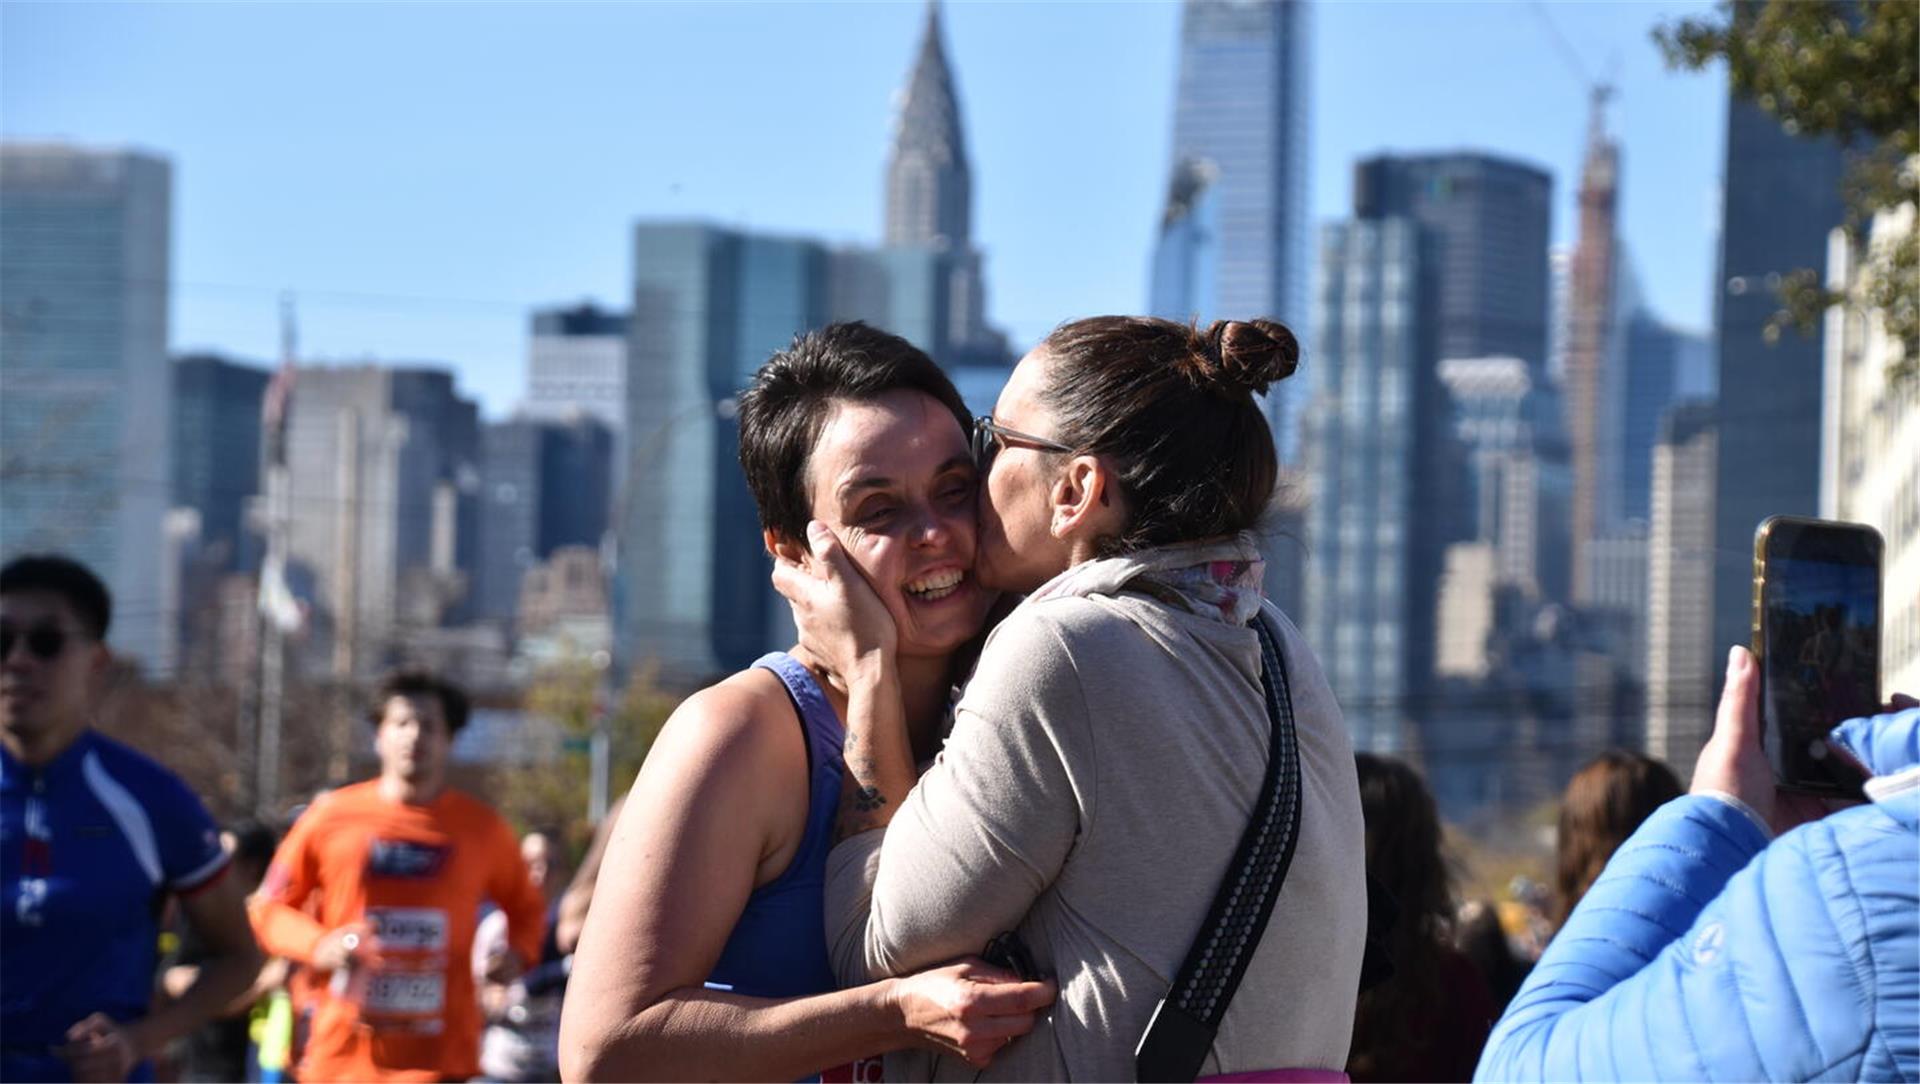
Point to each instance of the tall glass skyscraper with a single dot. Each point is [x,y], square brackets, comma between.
[1370,598]
[1233,237]
[1782,198]
[85,421]
[1487,221]
[216,450]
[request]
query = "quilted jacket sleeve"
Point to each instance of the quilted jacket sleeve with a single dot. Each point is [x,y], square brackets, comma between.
[1704,954]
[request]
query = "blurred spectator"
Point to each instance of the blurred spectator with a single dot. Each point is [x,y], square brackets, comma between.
[218,1051]
[1709,949]
[94,837]
[1604,803]
[1429,1018]
[1479,936]
[522,1037]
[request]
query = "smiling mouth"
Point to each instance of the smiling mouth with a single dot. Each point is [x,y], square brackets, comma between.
[937,586]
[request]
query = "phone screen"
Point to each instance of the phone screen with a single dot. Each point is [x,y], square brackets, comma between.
[1822,662]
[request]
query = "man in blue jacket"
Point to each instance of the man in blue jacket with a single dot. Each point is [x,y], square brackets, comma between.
[1710,950]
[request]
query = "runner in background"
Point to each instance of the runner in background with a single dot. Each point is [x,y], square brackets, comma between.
[93,836]
[218,1050]
[522,1040]
[397,868]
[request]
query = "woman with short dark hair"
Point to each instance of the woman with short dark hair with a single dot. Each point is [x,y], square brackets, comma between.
[703,955]
[1109,750]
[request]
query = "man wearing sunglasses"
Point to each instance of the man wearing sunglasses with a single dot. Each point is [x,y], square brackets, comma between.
[93,837]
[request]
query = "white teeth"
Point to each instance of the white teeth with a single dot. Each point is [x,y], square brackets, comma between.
[937,586]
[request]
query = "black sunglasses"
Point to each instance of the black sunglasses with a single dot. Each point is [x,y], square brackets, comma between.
[989,435]
[45,642]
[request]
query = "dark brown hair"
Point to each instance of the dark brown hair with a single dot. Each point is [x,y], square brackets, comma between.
[415,681]
[1172,408]
[1604,803]
[1403,855]
[788,402]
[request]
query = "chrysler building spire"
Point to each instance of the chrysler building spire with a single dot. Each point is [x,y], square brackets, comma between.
[929,196]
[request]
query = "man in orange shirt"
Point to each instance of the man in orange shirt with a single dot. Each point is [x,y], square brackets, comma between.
[395,869]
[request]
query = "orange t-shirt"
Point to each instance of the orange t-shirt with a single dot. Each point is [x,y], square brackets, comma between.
[416,875]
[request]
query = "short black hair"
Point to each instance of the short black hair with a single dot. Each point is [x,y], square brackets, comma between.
[72,581]
[787,404]
[412,681]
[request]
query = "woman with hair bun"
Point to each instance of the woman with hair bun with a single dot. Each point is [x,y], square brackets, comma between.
[1111,746]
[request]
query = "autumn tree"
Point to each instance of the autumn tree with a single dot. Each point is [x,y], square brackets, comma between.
[1850,70]
[550,785]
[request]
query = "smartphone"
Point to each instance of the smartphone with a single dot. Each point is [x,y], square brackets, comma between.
[1816,634]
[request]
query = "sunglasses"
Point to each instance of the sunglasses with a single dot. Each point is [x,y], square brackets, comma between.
[44,642]
[989,435]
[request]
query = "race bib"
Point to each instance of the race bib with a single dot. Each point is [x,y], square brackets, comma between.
[406,993]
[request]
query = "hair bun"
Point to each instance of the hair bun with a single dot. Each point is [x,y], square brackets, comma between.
[1246,355]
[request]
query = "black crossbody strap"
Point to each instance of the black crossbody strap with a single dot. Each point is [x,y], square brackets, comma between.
[1181,1032]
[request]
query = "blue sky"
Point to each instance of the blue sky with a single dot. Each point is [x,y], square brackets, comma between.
[423,174]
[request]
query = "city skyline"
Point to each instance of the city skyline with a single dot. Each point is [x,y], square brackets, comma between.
[1068,160]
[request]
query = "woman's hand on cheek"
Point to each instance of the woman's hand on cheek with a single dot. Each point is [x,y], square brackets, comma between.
[841,619]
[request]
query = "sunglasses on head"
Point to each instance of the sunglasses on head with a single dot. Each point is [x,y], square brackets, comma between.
[44,642]
[989,435]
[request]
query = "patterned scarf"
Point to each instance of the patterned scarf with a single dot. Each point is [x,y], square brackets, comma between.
[1219,578]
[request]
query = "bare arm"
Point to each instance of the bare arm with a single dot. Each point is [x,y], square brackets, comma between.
[691,844]
[843,623]
[571,915]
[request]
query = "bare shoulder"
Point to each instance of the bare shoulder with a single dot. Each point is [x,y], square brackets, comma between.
[737,730]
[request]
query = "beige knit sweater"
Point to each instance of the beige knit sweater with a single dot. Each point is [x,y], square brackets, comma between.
[1101,768]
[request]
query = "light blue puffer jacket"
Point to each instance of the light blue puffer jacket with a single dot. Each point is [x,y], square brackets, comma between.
[1704,953]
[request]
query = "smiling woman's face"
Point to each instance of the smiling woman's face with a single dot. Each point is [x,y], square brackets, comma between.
[892,479]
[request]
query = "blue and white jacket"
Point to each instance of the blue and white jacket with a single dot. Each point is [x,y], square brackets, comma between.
[1704,952]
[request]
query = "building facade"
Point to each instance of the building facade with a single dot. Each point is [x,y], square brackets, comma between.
[1782,197]
[1487,223]
[86,419]
[1682,665]
[1240,125]
[1370,603]
[383,481]
[217,453]
[1870,451]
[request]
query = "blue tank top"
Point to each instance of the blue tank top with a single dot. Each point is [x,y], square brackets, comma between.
[779,946]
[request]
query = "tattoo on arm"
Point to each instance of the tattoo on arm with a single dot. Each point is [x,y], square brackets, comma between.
[861,802]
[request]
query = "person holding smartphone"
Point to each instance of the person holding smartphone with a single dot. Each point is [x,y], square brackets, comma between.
[1745,932]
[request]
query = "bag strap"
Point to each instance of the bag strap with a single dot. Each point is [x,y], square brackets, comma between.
[1181,1031]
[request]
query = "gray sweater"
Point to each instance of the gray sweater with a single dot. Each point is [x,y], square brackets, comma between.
[1101,769]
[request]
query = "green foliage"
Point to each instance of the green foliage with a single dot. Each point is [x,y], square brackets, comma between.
[554,792]
[1842,69]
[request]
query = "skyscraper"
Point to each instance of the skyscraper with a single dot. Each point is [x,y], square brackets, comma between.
[929,205]
[216,450]
[577,364]
[1870,455]
[1233,237]
[1590,413]
[543,486]
[85,421]
[1370,600]
[1487,223]
[382,484]
[1682,659]
[1653,356]
[710,305]
[1782,197]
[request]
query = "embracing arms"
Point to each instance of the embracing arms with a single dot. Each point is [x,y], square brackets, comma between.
[712,815]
